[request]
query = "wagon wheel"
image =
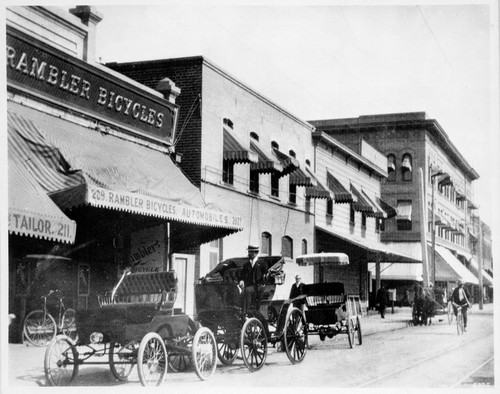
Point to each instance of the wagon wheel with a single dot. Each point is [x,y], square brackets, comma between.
[204,353]
[152,360]
[295,336]
[69,324]
[253,344]
[227,349]
[39,328]
[177,362]
[122,360]
[61,361]
[358,328]
[350,332]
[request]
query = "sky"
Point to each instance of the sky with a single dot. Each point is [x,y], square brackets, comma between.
[330,59]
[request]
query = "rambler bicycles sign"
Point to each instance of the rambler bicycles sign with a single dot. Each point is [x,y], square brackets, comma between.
[38,69]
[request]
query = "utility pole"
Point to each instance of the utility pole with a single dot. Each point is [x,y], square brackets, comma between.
[480,263]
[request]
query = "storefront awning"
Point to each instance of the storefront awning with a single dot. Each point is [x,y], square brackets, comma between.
[31,211]
[397,271]
[362,204]
[264,164]
[301,177]
[289,163]
[389,209]
[77,166]
[234,150]
[450,269]
[487,279]
[337,259]
[340,193]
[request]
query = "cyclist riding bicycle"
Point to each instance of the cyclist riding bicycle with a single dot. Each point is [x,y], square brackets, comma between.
[460,297]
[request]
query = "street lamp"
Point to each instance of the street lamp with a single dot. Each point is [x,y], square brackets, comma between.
[433,228]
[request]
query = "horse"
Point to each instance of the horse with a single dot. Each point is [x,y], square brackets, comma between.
[423,305]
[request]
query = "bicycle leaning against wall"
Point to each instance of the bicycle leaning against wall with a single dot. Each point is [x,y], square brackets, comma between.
[40,327]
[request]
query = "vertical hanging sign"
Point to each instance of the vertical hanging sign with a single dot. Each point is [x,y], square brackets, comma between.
[147,250]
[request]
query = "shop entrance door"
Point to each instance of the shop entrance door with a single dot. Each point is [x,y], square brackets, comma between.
[183,265]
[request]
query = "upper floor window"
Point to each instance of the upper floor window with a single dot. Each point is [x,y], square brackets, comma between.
[329,207]
[275,145]
[254,182]
[228,172]
[254,135]
[292,193]
[292,153]
[406,167]
[391,168]
[352,214]
[266,249]
[304,246]
[287,247]
[404,212]
[275,184]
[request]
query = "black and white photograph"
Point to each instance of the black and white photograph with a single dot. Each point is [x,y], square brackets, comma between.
[262,196]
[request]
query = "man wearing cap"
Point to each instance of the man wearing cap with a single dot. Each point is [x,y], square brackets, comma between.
[297,290]
[461,298]
[253,278]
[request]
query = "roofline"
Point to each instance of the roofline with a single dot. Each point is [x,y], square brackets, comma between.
[401,119]
[325,137]
[225,74]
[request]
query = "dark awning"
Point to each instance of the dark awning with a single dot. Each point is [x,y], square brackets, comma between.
[264,164]
[378,212]
[362,204]
[234,150]
[77,166]
[341,195]
[31,211]
[388,208]
[305,178]
[289,163]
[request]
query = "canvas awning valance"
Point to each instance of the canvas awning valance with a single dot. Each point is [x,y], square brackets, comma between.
[265,163]
[398,271]
[301,177]
[340,193]
[404,209]
[235,151]
[450,269]
[362,204]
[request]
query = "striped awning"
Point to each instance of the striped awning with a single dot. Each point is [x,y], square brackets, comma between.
[336,259]
[340,193]
[289,163]
[406,163]
[404,210]
[450,269]
[265,164]
[378,212]
[487,279]
[302,177]
[391,163]
[362,204]
[388,208]
[318,191]
[234,150]
[78,166]
[31,211]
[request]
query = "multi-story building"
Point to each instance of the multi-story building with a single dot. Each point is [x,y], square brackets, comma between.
[414,144]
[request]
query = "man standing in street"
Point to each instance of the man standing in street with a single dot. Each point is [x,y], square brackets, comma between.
[298,288]
[253,278]
[382,300]
[460,297]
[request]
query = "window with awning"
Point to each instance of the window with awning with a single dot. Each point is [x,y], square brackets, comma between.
[406,167]
[289,163]
[378,212]
[340,193]
[234,151]
[404,208]
[265,164]
[362,204]
[388,208]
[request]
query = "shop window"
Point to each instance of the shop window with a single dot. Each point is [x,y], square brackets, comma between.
[266,241]
[292,194]
[228,172]
[254,182]
[287,247]
[406,167]
[304,246]
[391,168]
[275,184]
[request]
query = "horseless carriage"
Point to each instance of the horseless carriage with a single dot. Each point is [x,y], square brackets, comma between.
[427,304]
[329,311]
[249,329]
[135,325]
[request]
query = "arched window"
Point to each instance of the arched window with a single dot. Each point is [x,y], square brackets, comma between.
[266,242]
[406,167]
[254,135]
[308,162]
[391,168]
[275,145]
[292,153]
[287,247]
[304,246]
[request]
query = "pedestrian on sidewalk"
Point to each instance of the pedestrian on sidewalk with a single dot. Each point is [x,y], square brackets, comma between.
[382,300]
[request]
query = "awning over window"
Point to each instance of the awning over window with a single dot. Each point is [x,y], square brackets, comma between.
[388,208]
[362,204]
[391,164]
[264,164]
[234,150]
[289,163]
[340,193]
[318,191]
[398,271]
[301,177]
[80,166]
[406,163]
[378,212]
[31,211]
[404,210]
[449,268]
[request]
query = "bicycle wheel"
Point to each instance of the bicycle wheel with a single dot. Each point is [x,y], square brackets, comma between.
[460,322]
[69,324]
[39,328]
[61,362]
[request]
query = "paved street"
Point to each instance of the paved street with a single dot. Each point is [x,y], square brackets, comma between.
[393,354]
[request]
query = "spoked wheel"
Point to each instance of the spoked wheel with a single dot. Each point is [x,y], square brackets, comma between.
[61,361]
[152,360]
[350,332]
[69,324]
[227,346]
[177,362]
[460,323]
[358,329]
[122,360]
[39,328]
[295,336]
[204,353]
[450,313]
[253,344]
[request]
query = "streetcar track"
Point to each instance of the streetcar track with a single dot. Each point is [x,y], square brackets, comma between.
[434,356]
[461,381]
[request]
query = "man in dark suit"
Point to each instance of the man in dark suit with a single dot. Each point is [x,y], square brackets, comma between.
[253,278]
[298,288]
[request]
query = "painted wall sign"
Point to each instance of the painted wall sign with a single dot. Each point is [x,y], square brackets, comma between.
[148,250]
[34,67]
